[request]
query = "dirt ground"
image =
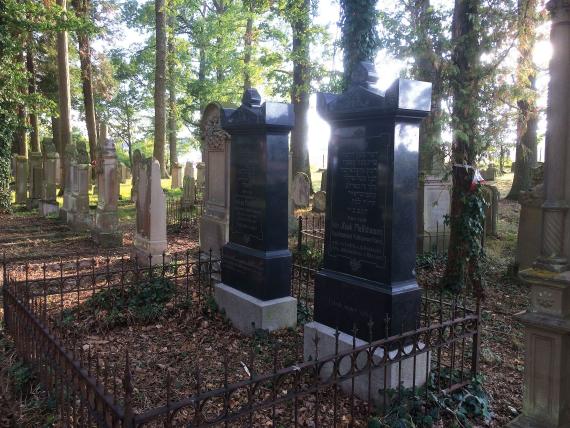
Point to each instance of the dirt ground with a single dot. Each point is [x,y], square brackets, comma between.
[26,237]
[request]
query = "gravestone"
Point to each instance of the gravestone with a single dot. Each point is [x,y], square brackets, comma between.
[513,166]
[324,180]
[189,170]
[21,179]
[137,160]
[320,201]
[177,176]
[490,174]
[491,195]
[36,179]
[150,235]
[368,273]
[48,204]
[58,171]
[106,232]
[434,205]
[188,192]
[200,176]
[214,223]
[301,190]
[68,166]
[80,218]
[256,263]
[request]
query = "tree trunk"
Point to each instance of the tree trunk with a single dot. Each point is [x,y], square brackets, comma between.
[64,92]
[300,91]
[248,47]
[56,134]
[82,8]
[30,66]
[463,255]
[20,143]
[172,112]
[160,87]
[527,120]
[201,79]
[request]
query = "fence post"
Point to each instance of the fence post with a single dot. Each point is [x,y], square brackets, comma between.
[475,361]
[128,388]
[300,234]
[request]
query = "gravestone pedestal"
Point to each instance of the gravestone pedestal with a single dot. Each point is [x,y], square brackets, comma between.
[214,223]
[256,263]
[371,207]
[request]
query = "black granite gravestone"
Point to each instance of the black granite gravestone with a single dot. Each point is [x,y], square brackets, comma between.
[256,259]
[370,238]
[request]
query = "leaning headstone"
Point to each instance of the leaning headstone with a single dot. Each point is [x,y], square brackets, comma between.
[80,218]
[106,231]
[48,205]
[176,182]
[320,201]
[69,162]
[256,262]
[200,175]
[150,235]
[36,179]
[137,161]
[214,223]
[492,196]
[324,180]
[368,275]
[434,207]
[21,179]
[301,190]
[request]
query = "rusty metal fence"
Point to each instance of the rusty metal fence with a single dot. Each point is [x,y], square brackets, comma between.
[180,214]
[326,391]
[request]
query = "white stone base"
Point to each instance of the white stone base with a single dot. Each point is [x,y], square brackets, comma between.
[381,378]
[47,208]
[244,310]
[144,247]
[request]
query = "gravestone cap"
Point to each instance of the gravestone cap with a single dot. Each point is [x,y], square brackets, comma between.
[364,74]
[251,98]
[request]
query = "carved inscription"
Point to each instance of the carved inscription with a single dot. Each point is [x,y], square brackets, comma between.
[356,229]
[246,205]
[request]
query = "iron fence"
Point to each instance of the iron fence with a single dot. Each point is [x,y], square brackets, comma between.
[443,352]
[180,214]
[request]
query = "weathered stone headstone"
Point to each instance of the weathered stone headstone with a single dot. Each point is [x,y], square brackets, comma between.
[200,175]
[368,272]
[492,196]
[80,218]
[65,211]
[301,190]
[122,173]
[36,179]
[490,174]
[324,180]
[320,201]
[529,236]
[21,179]
[188,192]
[105,232]
[48,204]
[137,160]
[214,224]
[150,235]
[434,205]
[189,169]
[256,263]
[177,177]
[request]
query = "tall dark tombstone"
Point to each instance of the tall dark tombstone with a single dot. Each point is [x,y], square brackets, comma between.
[256,262]
[370,237]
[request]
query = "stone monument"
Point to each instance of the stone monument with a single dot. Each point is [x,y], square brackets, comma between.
[200,176]
[137,160]
[189,193]
[324,180]
[21,174]
[177,177]
[256,263]
[36,179]
[368,272]
[546,401]
[214,223]
[320,201]
[189,169]
[434,205]
[48,205]
[491,195]
[301,190]
[69,163]
[150,235]
[105,232]
[81,178]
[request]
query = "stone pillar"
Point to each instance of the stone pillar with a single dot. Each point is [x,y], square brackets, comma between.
[256,262]
[546,400]
[106,233]
[82,219]
[150,237]
[36,179]
[200,176]
[48,205]
[176,173]
[368,272]
[214,224]
[189,168]
[21,175]
[65,212]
